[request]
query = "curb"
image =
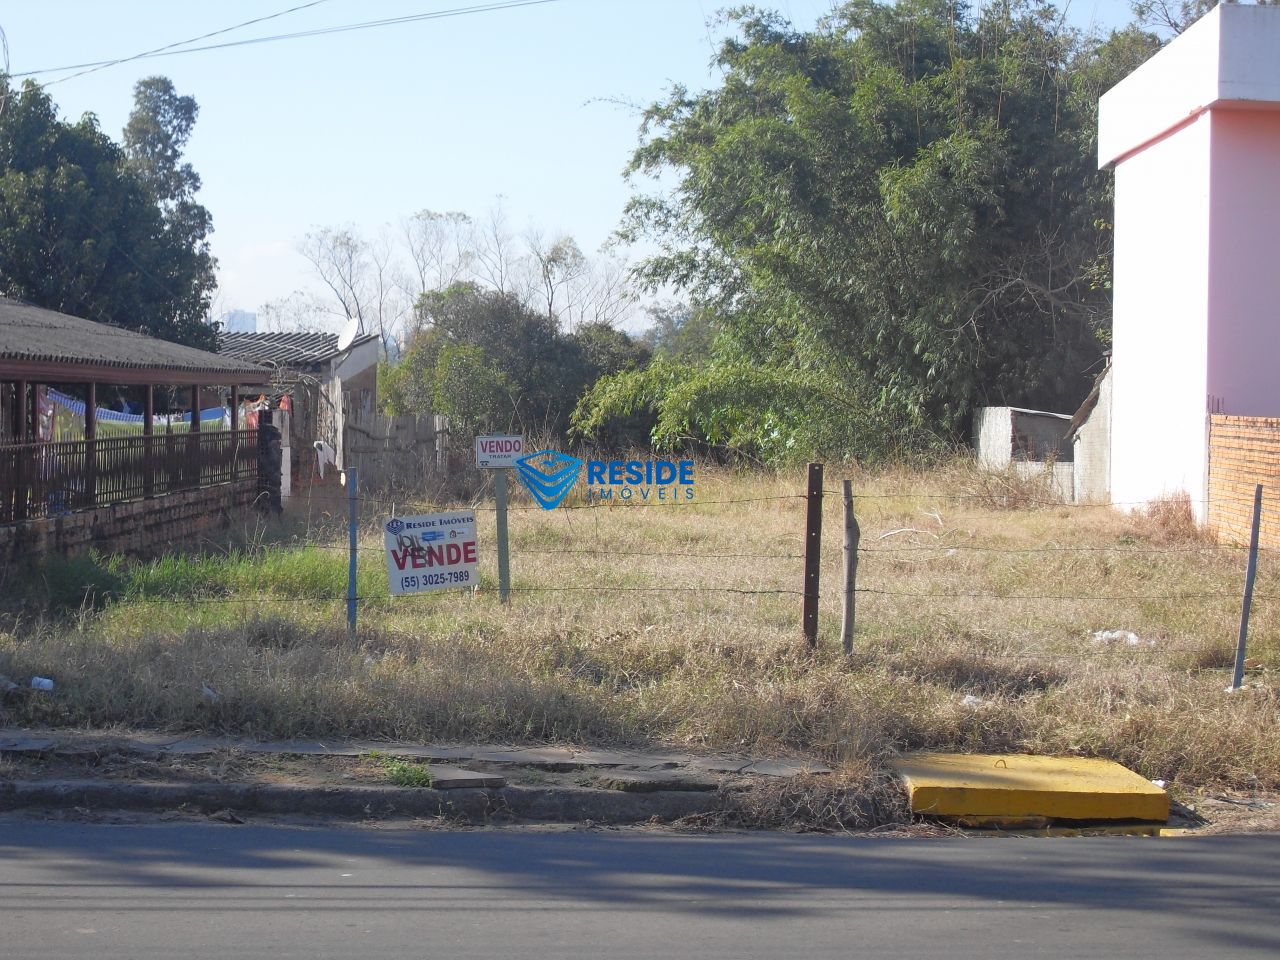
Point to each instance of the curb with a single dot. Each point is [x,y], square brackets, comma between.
[551,804]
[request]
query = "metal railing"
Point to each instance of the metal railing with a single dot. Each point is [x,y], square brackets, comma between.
[50,479]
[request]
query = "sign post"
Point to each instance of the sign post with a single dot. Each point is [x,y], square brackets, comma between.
[353,516]
[504,557]
[500,453]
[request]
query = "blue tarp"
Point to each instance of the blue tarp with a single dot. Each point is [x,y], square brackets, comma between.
[77,407]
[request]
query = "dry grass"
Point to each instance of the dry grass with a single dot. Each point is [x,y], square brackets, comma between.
[977,635]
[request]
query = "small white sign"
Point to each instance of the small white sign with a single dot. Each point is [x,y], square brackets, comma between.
[435,551]
[498,453]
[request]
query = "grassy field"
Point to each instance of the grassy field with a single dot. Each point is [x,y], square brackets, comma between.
[975,633]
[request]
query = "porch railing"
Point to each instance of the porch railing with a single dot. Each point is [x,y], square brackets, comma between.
[49,479]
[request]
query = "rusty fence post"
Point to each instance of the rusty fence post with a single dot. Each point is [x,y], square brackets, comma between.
[812,554]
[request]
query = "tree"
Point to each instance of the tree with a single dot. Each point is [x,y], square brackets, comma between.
[439,249]
[155,136]
[495,363]
[1174,16]
[83,231]
[896,212]
[680,331]
[360,276]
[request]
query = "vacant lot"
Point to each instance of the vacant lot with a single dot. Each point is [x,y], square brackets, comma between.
[976,632]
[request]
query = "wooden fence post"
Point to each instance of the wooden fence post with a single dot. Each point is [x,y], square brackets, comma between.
[812,555]
[852,537]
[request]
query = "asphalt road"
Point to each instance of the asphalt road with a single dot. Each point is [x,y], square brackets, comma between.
[213,890]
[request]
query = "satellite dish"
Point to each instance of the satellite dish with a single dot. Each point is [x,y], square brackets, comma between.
[349,333]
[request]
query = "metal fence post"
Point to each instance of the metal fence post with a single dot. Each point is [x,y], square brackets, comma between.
[812,555]
[352,518]
[852,536]
[1251,572]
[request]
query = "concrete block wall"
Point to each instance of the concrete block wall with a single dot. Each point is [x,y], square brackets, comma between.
[1243,452]
[139,527]
[1092,450]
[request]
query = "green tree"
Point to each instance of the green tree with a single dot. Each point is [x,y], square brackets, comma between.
[680,332]
[155,136]
[519,346]
[83,232]
[896,214]
[494,363]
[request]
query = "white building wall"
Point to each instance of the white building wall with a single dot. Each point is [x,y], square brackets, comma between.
[1160,329]
[993,437]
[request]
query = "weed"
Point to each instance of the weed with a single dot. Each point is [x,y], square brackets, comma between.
[1170,520]
[406,773]
[963,599]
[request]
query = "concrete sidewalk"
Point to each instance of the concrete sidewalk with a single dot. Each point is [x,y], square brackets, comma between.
[86,769]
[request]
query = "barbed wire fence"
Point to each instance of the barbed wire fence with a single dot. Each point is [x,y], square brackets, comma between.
[805,582]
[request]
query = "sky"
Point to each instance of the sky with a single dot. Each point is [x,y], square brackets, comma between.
[531,104]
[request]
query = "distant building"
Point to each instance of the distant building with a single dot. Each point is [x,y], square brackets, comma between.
[331,396]
[240,321]
[1026,442]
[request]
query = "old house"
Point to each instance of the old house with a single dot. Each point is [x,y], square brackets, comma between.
[133,487]
[328,388]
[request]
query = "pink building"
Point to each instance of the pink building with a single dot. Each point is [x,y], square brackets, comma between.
[1194,135]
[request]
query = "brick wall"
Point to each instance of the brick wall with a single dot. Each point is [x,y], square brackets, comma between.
[140,527]
[1244,451]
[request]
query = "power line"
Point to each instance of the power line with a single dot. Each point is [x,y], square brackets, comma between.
[87,68]
[169,51]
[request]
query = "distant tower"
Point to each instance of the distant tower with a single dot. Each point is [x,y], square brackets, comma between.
[1194,134]
[240,321]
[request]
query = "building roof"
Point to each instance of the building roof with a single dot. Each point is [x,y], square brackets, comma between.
[279,349]
[291,350]
[47,346]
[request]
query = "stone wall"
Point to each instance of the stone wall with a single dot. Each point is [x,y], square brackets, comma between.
[139,527]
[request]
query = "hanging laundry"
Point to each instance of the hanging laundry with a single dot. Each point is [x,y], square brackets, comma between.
[325,454]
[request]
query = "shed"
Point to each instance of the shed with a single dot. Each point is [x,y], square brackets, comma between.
[1027,442]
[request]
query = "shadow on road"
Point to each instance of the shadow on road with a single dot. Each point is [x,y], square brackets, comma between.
[1194,882]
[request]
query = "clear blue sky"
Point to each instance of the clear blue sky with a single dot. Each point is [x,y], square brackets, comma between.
[365,128]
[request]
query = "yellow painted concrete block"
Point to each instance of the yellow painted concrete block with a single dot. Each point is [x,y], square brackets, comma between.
[1018,785]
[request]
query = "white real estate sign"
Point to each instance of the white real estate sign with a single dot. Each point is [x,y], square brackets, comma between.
[434,551]
[498,453]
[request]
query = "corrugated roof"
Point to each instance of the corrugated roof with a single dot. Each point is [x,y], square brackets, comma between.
[283,349]
[30,334]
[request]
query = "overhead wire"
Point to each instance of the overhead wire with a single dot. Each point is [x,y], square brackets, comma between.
[172,49]
[93,67]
